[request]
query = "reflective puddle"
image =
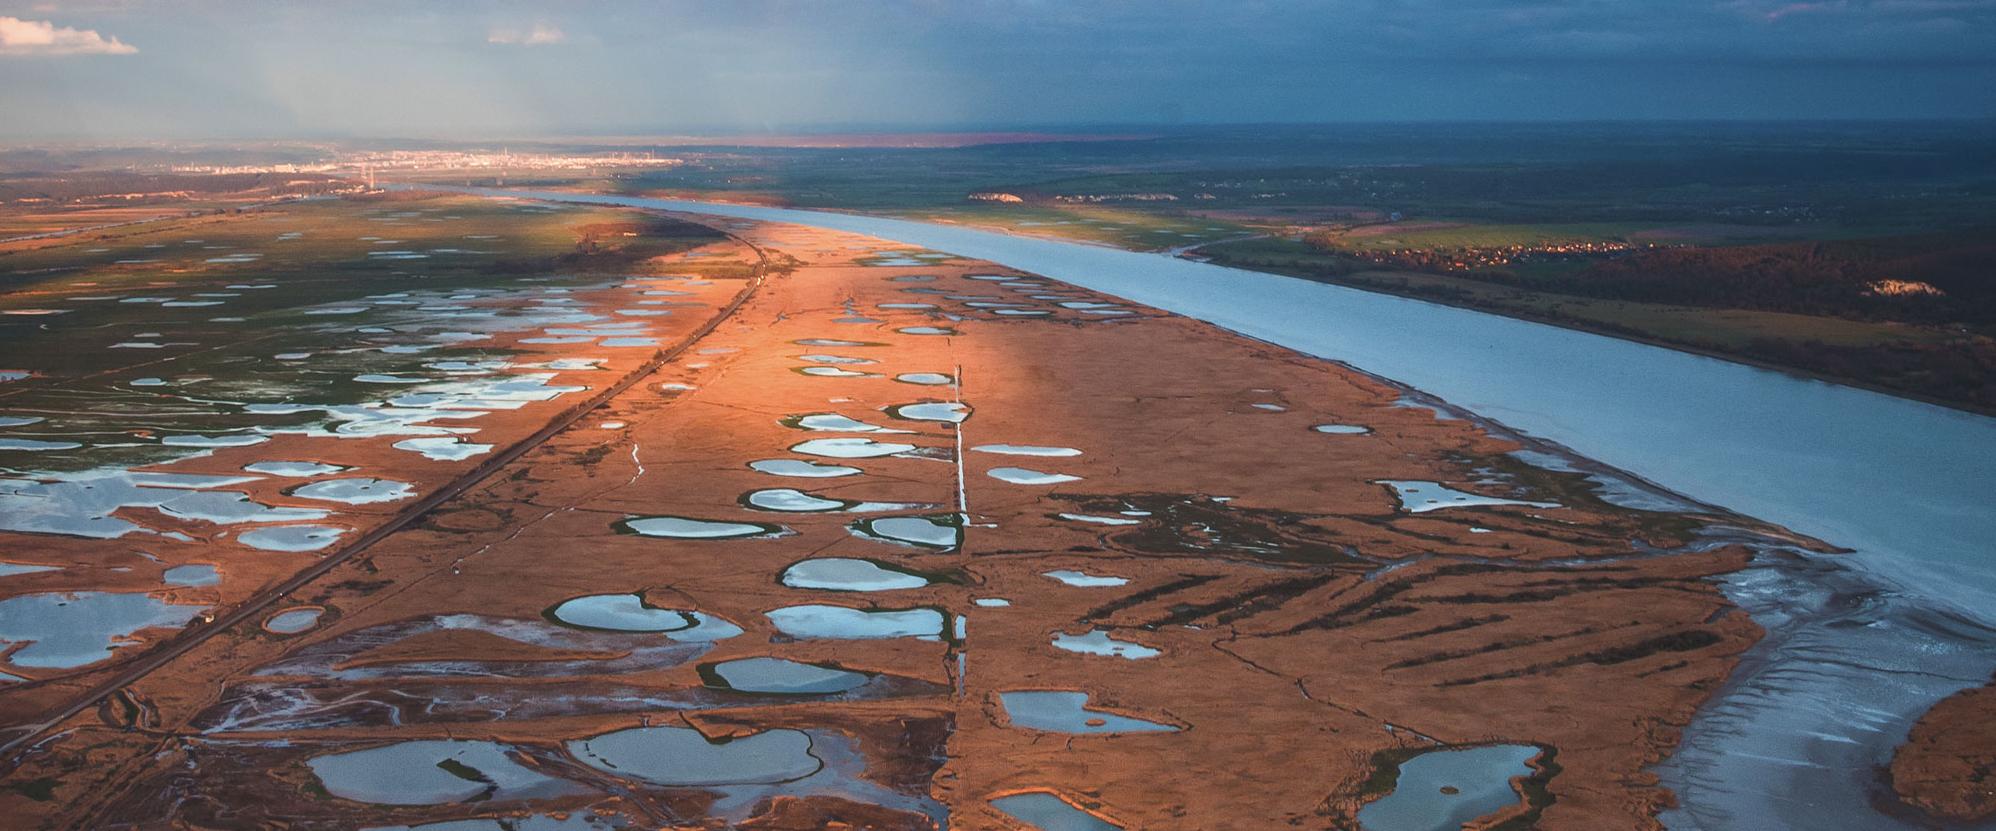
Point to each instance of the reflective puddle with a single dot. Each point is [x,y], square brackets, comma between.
[1420,497]
[680,756]
[686,528]
[1047,812]
[947,411]
[944,531]
[355,491]
[841,623]
[1026,450]
[1440,790]
[1082,578]
[630,613]
[1098,642]
[780,676]
[1024,476]
[293,621]
[432,773]
[834,342]
[1062,711]
[296,470]
[849,575]
[789,499]
[850,448]
[443,449]
[834,423]
[61,630]
[1342,429]
[1101,520]
[802,469]
[191,575]
[291,537]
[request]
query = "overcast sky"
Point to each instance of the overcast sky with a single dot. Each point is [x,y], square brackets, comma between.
[485,69]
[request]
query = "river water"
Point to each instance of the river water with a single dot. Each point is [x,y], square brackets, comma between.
[1796,737]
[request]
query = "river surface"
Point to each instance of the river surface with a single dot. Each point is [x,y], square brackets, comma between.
[1905,485]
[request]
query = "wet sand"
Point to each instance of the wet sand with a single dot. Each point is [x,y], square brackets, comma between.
[1304,626]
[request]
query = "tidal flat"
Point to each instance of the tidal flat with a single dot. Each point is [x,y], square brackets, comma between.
[1177,586]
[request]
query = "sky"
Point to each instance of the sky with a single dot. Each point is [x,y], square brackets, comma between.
[484,69]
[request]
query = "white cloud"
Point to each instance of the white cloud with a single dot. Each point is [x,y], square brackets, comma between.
[41,37]
[541,34]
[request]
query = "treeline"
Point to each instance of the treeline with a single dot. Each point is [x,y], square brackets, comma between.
[1961,372]
[1846,278]
[73,187]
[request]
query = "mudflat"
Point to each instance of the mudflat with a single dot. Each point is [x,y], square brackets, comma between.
[849,555]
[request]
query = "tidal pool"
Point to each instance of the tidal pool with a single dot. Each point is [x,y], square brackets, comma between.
[781,676]
[360,491]
[1420,497]
[191,575]
[11,569]
[816,621]
[63,630]
[291,537]
[834,423]
[432,772]
[802,469]
[293,621]
[443,449]
[832,372]
[926,330]
[791,499]
[583,821]
[620,613]
[213,441]
[36,445]
[1026,450]
[1101,520]
[1047,812]
[948,411]
[1342,429]
[850,448]
[933,532]
[1024,476]
[229,508]
[1098,642]
[679,756]
[296,470]
[927,379]
[1062,711]
[629,613]
[1084,579]
[686,528]
[833,342]
[849,575]
[836,359]
[1440,790]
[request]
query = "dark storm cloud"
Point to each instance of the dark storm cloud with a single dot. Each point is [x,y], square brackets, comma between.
[480,68]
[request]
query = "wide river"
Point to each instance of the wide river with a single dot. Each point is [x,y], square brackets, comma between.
[1796,737]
